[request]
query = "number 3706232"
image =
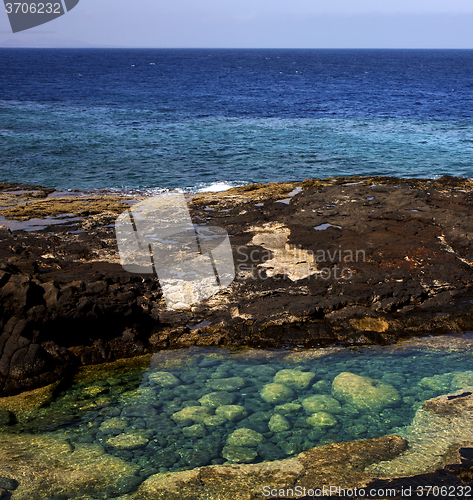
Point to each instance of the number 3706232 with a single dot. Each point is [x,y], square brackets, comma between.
[33,8]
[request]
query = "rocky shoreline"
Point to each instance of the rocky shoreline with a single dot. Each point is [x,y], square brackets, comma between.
[350,261]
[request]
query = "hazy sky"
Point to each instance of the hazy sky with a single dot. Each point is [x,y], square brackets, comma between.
[254,23]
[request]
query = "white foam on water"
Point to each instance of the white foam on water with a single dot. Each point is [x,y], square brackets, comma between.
[216,187]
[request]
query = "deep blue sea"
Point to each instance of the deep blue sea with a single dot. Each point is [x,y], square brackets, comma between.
[191,119]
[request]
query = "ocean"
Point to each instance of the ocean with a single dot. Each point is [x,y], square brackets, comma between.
[202,119]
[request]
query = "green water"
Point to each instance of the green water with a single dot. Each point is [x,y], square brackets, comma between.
[132,412]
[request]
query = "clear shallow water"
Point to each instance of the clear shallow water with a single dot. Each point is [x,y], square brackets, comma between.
[136,414]
[189,119]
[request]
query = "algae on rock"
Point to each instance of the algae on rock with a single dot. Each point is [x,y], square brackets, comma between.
[364,393]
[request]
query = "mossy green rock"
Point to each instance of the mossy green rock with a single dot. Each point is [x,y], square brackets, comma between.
[244,437]
[128,441]
[322,386]
[226,384]
[322,419]
[49,467]
[437,382]
[231,412]
[215,399]
[113,426]
[195,413]
[287,408]
[461,381]
[276,393]
[278,423]
[239,454]
[214,420]
[294,378]
[364,393]
[164,379]
[321,402]
[194,431]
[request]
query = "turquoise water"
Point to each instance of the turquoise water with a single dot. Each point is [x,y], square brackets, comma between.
[159,417]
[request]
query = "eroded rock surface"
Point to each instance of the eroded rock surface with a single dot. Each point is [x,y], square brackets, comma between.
[351,260]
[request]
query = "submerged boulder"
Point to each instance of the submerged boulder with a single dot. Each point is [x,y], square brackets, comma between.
[195,413]
[239,454]
[164,379]
[215,399]
[294,378]
[226,384]
[245,437]
[322,419]
[364,393]
[278,423]
[462,381]
[231,412]
[128,441]
[276,393]
[321,402]
[41,467]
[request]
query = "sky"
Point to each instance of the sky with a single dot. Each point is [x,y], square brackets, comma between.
[253,24]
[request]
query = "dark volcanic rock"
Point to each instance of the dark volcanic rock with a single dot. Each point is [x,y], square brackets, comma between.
[352,260]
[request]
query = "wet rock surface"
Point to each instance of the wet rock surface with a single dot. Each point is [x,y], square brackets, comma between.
[348,260]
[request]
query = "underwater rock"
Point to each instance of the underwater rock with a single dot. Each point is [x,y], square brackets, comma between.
[140,411]
[321,402]
[295,379]
[244,437]
[49,467]
[164,379]
[196,413]
[226,384]
[215,399]
[438,425]
[437,382]
[6,417]
[276,393]
[92,391]
[231,412]
[287,408]
[194,431]
[145,395]
[214,420]
[343,463]
[239,454]
[128,441]
[322,386]
[113,426]
[322,419]
[364,393]
[278,423]
[394,378]
[270,451]
[25,405]
[7,483]
[462,381]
